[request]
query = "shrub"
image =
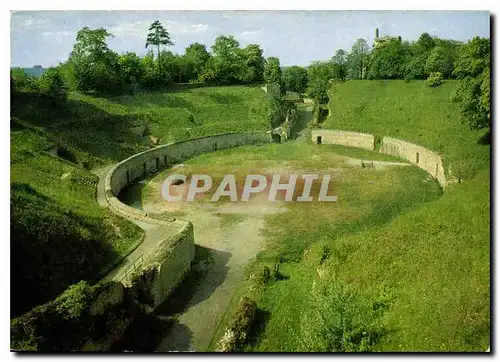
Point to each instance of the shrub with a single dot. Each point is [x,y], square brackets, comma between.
[435,79]
[341,320]
[74,300]
[51,84]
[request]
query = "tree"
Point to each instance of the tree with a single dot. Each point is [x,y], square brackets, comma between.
[51,84]
[440,60]
[339,61]
[272,71]
[158,35]
[196,56]
[94,66]
[425,42]
[22,82]
[170,66]
[320,75]
[472,68]
[227,59]
[358,59]
[150,78]
[390,60]
[131,69]
[252,69]
[295,79]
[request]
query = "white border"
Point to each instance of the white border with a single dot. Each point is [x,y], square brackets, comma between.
[184,5]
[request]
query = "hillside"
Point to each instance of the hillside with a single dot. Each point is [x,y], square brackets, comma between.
[416,282]
[410,111]
[59,233]
[167,115]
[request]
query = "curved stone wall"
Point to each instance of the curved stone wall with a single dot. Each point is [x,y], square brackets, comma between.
[422,157]
[174,251]
[345,138]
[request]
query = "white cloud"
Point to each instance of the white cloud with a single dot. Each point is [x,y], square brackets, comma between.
[249,33]
[140,28]
[57,33]
[22,21]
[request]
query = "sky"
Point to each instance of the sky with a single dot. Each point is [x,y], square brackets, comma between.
[295,37]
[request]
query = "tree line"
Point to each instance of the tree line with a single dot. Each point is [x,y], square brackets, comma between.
[93,67]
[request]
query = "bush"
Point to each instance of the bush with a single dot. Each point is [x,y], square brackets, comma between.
[51,84]
[435,79]
[84,317]
[74,300]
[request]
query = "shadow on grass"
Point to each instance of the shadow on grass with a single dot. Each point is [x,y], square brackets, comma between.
[302,123]
[258,326]
[82,126]
[152,100]
[485,139]
[208,271]
[51,248]
[176,339]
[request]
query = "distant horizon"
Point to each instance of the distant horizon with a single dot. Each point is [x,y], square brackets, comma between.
[46,38]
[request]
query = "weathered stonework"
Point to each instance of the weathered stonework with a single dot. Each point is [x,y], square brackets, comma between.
[345,138]
[427,160]
[422,157]
[172,254]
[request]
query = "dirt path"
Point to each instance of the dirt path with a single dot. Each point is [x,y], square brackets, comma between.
[230,233]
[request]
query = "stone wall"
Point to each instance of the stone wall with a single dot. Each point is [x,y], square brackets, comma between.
[173,253]
[422,157]
[427,160]
[172,261]
[345,138]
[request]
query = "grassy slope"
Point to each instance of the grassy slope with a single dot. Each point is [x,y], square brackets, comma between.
[413,112]
[419,281]
[215,110]
[85,240]
[97,131]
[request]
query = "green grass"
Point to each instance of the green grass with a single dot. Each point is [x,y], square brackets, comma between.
[398,273]
[363,154]
[215,110]
[93,131]
[100,130]
[413,112]
[368,199]
[59,233]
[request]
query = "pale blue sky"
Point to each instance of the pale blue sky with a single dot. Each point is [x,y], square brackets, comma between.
[296,37]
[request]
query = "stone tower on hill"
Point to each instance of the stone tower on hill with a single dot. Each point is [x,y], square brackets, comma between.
[379,41]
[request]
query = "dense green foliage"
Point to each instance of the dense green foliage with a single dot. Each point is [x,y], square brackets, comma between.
[473,94]
[320,75]
[435,79]
[358,59]
[295,79]
[272,71]
[106,317]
